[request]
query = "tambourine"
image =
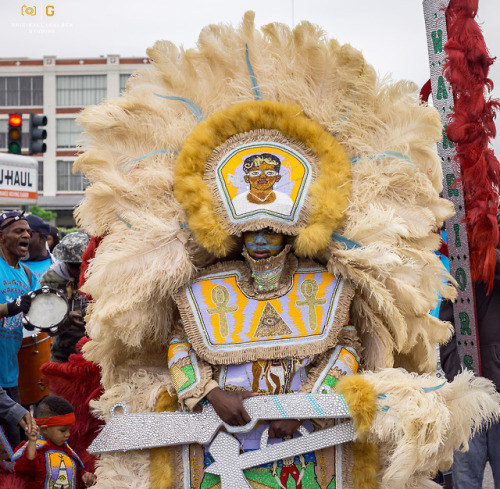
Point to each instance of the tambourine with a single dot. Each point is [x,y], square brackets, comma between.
[49,308]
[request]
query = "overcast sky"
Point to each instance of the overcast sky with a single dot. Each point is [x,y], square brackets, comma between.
[390,33]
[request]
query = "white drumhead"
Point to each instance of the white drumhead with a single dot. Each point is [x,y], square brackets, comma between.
[47,310]
[27,332]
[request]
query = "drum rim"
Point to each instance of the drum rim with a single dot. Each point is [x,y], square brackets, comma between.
[45,290]
[37,341]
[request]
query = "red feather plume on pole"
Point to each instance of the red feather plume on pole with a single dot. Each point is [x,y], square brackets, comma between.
[472,127]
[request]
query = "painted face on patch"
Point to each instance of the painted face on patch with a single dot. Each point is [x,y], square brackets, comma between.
[264,243]
[263,177]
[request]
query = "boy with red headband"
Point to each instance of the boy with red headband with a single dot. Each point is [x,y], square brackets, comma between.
[49,462]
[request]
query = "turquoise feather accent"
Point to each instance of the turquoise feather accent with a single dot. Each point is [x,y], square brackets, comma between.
[381,156]
[348,244]
[158,151]
[253,79]
[194,108]
[123,220]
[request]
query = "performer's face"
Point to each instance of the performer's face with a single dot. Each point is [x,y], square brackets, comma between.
[262,177]
[264,243]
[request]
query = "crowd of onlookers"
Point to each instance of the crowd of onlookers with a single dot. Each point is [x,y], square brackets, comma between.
[34,258]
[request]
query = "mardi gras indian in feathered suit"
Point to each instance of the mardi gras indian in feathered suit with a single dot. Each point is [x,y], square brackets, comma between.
[283,144]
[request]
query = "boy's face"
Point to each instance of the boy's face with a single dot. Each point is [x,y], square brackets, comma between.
[58,435]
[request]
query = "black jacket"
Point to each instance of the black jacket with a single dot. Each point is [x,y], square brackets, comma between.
[488,321]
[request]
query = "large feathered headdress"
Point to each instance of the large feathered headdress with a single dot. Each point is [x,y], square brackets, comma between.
[150,152]
[166,162]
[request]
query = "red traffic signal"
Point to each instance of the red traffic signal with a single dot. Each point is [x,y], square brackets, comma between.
[15,133]
[15,120]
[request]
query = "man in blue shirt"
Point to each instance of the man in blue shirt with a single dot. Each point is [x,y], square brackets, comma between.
[15,283]
[39,259]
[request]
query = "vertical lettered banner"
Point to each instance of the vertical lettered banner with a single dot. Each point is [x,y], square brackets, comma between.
[458,246]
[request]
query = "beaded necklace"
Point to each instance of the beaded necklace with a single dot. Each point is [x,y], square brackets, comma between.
[267,273]
[268,279]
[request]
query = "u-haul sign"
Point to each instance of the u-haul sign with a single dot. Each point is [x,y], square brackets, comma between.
[18,179]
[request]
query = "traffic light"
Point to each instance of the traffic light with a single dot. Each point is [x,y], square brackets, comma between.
[37,135]
[15,133]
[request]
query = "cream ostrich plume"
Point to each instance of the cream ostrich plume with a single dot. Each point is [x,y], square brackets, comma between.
[394,208]
[421,420]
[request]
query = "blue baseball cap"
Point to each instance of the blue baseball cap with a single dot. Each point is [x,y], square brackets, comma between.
[38,225]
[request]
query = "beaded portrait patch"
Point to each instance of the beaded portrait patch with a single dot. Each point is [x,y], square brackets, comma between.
[226,323]
[262,175]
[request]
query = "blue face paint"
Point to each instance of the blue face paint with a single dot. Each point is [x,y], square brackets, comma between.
[253,246]
[263,244]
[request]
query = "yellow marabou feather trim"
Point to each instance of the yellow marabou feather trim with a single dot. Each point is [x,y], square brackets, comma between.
[366,465]
[361,398]
[328,194]
[162,471]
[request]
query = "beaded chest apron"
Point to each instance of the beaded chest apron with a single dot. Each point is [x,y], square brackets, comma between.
[226,322]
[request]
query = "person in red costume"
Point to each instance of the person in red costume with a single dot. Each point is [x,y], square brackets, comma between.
[50,462]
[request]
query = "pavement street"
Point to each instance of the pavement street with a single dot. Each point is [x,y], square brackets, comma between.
[488,478]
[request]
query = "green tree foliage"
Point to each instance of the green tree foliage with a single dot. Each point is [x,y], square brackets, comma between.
[43,213]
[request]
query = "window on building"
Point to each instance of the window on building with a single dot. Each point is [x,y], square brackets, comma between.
[123,82]
[21,91]
[4,123]
[40,176]
[67,133]
[25,138]
[67,181]
[80,91]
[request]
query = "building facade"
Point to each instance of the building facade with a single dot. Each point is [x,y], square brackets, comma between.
[59,89]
